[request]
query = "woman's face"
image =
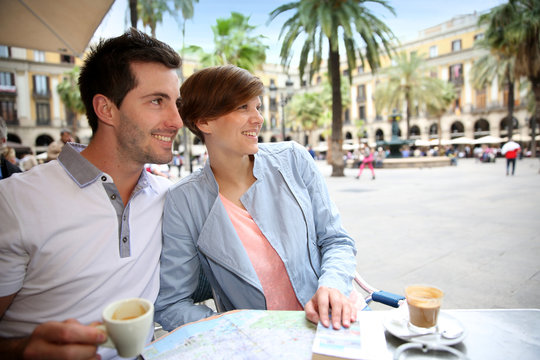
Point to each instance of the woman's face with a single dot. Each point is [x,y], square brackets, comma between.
[236,132]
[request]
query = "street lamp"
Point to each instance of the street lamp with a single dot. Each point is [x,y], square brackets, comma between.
[285,96]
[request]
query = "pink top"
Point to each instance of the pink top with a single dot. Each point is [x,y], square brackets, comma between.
[268,265]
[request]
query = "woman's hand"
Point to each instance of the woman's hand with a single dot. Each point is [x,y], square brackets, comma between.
[329,299]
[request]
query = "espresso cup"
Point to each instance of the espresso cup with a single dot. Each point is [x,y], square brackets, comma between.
[128,324]
[424,303]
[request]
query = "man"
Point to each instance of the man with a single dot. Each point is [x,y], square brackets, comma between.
[82,231]
[510,151]
[54,148]
[6,167]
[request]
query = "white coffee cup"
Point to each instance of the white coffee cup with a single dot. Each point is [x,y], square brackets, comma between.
[128,323]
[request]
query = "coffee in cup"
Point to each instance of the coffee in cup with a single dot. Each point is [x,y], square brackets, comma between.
[128,324]
[424,304]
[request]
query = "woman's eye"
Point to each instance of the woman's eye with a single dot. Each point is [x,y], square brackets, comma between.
[242,107]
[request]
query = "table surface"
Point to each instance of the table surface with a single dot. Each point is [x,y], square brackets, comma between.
[491,334]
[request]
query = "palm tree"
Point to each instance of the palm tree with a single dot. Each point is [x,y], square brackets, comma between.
[306,111]
[234,44]
[408,84]
[443,95]
[133,16]
[364,37]
[151,12]
[69,93]
[513,29]
[498,66]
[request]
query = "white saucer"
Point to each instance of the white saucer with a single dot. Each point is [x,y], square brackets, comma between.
[396,323]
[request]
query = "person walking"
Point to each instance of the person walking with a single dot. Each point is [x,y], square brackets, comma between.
[368,160]
[510,151]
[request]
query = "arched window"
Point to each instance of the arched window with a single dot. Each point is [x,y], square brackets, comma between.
[481,128]
[44,140]
[433,129]
[414,132]
[457,129]
[379,135]
[503,126]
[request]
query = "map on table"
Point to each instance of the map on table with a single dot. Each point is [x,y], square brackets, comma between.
[246,334]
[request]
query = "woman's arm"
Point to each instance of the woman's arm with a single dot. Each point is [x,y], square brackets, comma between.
[180,267]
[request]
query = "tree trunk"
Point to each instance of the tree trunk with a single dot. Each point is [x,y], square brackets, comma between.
[510,117]
[133,13]
[535,84]
[338,164]
[408,115]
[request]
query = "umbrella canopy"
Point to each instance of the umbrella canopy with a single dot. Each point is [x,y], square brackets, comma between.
[488,140]
[463,140]
[509,146]
[420,142]
[63,26]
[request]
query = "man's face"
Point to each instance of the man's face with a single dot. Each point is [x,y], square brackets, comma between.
[66,137]
[148,117]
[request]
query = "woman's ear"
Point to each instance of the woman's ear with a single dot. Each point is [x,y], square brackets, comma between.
[104,108]
[204,126]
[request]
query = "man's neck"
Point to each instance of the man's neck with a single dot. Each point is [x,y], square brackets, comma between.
[125,174]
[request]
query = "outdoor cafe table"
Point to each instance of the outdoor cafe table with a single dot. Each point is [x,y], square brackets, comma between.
[257,334]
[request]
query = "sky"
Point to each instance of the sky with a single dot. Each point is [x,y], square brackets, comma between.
[411,17]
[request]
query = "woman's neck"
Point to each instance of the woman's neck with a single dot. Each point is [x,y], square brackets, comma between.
[234,175]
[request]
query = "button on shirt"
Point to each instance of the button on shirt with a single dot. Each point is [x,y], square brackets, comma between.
[68,246]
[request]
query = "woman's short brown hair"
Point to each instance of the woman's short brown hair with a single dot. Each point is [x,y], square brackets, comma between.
[214,92]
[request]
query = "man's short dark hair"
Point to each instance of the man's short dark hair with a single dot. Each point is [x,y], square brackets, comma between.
[107,70]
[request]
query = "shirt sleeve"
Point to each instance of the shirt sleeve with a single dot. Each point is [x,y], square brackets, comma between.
[13,256]
[180,267]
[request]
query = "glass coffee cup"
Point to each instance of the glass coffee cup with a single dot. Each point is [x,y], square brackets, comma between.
[424,302]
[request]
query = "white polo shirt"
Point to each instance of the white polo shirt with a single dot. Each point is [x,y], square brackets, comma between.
[68,246]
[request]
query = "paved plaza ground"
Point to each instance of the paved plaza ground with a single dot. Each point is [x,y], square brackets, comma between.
[468,229]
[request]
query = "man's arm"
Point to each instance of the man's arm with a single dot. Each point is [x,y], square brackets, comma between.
[52,340]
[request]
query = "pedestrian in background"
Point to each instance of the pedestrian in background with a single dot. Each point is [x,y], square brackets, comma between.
[7,168]
[368,160]
[510,151]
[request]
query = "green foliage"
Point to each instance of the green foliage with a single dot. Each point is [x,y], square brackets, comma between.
[151,11]
[233,44]
[306,110]
[69,93]
[363,36]
[408,83]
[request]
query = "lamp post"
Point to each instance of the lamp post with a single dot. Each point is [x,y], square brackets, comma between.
[285,96]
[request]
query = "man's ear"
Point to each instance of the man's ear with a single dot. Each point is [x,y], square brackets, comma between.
[104,108]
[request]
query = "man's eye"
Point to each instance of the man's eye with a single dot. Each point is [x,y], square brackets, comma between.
[157,101]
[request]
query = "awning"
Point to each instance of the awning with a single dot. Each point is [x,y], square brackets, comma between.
[63,26]
[488,140]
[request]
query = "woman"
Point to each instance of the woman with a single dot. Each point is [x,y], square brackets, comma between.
[370,157]
[257,218]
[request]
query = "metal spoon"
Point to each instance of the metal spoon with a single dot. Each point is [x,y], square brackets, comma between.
[448,334]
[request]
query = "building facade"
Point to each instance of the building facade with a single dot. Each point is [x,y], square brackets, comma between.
[35,115]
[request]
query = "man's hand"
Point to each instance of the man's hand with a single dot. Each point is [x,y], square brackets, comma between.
[318,308]
[56,340]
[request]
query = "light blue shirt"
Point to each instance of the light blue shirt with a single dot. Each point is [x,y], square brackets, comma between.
[290,204]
